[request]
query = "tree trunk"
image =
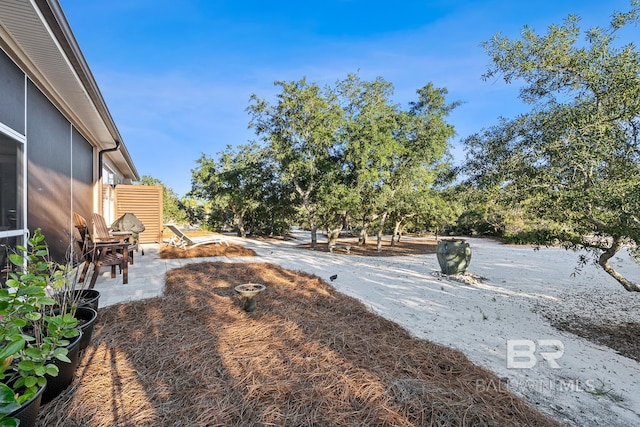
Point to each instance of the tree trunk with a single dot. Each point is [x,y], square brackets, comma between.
[362,240]
[311,218]
[381,230]
[240,224]
[396,232]
[333,231]
[314,236]
[333,235]
[311,212]
[604,263]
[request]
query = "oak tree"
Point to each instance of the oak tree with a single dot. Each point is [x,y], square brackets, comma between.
[574,159]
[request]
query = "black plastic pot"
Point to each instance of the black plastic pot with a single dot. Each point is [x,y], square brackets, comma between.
[87,318]
[28,412]
[87,298]
[56,385]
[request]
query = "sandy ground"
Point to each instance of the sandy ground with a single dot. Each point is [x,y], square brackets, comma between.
[499,320]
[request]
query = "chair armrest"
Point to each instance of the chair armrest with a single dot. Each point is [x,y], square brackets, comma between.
[99,240]
[111,243]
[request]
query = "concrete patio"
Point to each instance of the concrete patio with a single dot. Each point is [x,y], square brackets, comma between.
[147,274]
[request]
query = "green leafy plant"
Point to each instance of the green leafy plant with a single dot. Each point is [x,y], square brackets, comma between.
[32,332]
[66,288]
[603,390]
[8,404]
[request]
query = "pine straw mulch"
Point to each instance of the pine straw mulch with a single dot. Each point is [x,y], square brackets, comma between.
[204,250]
[209,250]
[402,248]
[308,356]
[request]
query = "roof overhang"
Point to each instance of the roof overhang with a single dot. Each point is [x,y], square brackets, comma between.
[37,36]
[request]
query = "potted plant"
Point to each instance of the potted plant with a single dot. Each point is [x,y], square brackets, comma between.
[71,297]
[32,335]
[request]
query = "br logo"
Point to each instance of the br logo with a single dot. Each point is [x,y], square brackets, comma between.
[521,354]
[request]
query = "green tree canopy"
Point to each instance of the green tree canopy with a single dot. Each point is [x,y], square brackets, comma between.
[237,184]
[300,129]
[347,150]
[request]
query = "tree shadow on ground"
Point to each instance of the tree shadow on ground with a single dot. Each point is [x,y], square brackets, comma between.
[623,338]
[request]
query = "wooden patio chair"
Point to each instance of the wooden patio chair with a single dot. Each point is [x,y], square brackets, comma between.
[100,253]
[181,240]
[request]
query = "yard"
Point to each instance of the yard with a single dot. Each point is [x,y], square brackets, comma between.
[312,355]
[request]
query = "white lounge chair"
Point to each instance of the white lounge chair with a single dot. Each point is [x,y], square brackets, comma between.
[181,240]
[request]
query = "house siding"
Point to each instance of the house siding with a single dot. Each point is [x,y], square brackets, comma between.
[12,90]
[60,161]
[48,172]
[81,175]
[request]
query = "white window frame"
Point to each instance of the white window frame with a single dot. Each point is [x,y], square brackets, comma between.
[22,179]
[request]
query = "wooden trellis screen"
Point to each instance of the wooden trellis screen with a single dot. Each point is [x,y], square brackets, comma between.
[145,202]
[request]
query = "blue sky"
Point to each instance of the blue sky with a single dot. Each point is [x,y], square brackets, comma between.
[177,75]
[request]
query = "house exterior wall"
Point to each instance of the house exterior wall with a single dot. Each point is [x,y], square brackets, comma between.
[82,174]
[12,164]
[48,171]
[12,100]
[55,129]
[59,163]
